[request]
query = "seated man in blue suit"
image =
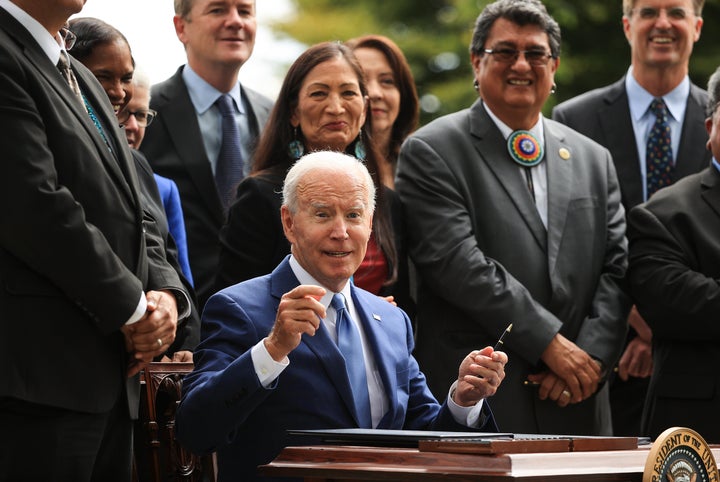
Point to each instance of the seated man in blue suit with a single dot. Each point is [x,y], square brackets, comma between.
[268,360]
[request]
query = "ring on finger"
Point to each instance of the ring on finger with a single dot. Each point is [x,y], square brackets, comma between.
[159,342]
[566,394]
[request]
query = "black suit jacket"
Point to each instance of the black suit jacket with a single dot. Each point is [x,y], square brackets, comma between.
[675,278]
[604,116]
[174,146]
[188,331]
[76,250]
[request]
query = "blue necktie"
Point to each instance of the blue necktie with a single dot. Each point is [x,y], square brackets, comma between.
[659,158]
[229,168]
[351,348]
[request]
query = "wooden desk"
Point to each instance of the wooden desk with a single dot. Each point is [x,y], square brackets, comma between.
[330,463]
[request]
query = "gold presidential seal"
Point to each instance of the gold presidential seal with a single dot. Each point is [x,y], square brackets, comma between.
[680,455]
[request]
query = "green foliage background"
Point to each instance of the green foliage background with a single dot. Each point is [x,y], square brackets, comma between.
[435,34]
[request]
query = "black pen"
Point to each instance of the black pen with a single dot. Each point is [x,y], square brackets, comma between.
[500,341]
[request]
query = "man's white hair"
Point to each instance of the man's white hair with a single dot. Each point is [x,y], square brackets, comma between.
[328,162]
[141,79]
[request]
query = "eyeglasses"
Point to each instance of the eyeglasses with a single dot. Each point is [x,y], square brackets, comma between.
[673,13]
[506,55]
[68,37]
[143,117]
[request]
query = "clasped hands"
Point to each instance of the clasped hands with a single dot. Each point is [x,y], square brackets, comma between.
[573,375]
[153,333]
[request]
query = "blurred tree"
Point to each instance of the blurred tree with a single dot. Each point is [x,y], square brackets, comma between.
[435,34]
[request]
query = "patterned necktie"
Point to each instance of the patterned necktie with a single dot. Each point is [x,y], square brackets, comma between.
[67,73]
[229,168]
[659,156]
[351,348]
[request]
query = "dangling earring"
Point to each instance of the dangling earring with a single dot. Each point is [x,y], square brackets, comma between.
[360,147]
[553,89]
[476,85]
[296,148]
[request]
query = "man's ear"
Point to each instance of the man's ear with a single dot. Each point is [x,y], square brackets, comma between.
[287,223]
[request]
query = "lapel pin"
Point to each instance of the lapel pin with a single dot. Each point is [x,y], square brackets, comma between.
[564,153]
[377,317]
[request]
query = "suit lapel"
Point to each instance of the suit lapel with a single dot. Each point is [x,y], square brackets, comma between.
[491,148]
[711,189]
[617,130]
[379,344]
[692,154]
[118,161]
[559,182]
[184,130]
[52,75]
[322,346]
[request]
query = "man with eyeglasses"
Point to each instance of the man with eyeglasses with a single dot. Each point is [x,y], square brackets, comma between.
[514,218]
[619,116]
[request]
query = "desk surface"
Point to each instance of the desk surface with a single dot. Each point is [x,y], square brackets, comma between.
[326,463]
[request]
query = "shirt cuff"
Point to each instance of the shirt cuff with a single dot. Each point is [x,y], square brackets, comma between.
[139,310]
[266,368]
[183,303]
[468,416]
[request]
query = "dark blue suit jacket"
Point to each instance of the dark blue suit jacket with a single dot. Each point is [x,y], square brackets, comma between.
[226,409]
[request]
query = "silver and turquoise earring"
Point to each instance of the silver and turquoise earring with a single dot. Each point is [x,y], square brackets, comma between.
[296,148]
[360,147]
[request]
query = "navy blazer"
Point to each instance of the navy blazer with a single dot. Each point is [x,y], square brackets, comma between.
[226,409]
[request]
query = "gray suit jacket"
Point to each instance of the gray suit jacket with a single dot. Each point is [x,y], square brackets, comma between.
[485,260]
[174,147]
[604,116]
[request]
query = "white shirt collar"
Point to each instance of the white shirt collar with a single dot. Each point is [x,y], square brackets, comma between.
[306,278]
[505,130]
[203,95]
[639,99]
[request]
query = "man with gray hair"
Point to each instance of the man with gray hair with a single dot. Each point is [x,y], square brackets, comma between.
[303,348]
[674,277]
[620,116]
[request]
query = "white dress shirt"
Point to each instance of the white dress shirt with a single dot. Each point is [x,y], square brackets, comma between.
[267,369]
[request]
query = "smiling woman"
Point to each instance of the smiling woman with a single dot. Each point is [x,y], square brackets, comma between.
[106,53]
[149,28]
